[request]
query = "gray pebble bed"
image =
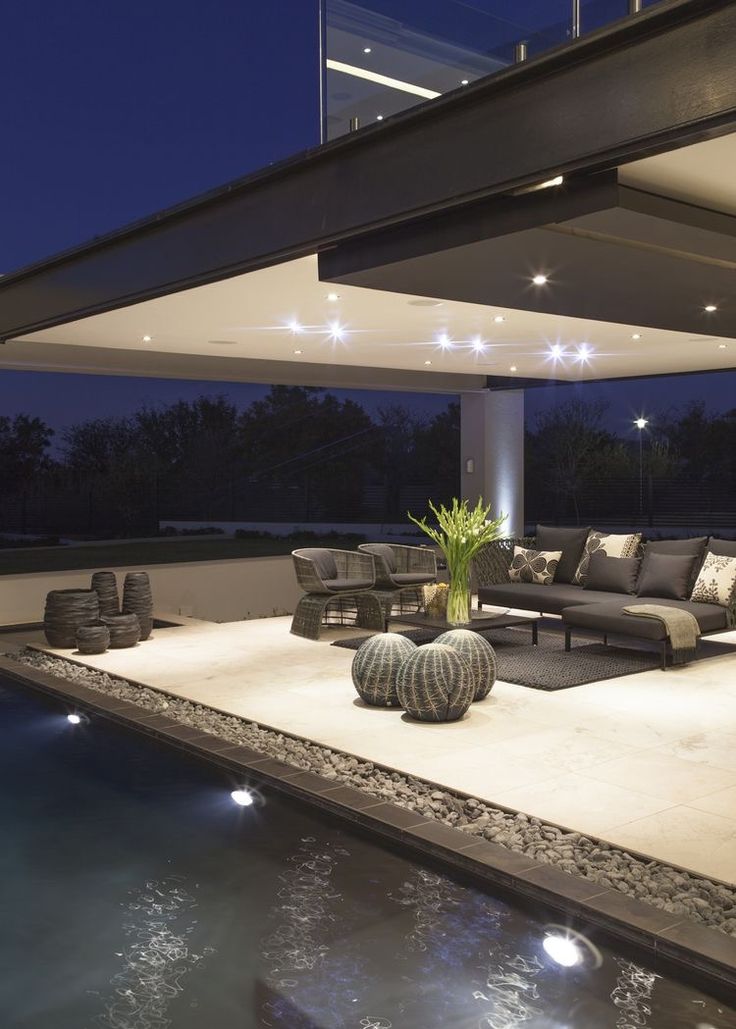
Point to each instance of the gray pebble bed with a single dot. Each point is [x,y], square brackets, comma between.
[663,886]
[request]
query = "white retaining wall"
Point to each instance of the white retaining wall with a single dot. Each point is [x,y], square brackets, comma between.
[216,591]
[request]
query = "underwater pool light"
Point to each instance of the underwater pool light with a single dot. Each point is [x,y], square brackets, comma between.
[563,950]
[242,797]
[74,719]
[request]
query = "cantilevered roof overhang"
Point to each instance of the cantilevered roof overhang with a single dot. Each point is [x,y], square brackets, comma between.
[430,185]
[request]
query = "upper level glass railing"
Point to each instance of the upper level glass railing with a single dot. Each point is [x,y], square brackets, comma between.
[383,56]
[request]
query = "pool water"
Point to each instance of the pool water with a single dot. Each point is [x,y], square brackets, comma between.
[137,895]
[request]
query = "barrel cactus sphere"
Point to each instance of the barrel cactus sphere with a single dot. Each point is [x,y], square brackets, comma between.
[479,654]
[435,684]
[376,665]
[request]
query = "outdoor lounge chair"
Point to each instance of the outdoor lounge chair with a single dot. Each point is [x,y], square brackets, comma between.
[399,566]
[337,578]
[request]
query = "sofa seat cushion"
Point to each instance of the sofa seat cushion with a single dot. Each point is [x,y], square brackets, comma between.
[610,617]
[529,596]
[412,578]
[342,585]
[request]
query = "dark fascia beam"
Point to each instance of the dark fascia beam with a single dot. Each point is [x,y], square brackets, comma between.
[643,85]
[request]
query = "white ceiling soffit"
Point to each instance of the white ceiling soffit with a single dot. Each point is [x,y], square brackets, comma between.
[284,313]
[703,174]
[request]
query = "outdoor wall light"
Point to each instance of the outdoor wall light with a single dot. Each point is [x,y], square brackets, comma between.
[242,797]
[74,719]
[710,308]
[562,950]
[539,280]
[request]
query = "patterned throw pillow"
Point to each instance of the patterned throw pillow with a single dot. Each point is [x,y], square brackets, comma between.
[716,583]
[534,565]
[605,543]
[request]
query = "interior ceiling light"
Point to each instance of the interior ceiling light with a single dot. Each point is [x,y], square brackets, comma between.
[478,344]
[147,339]
[556,181]
[382,80]
[539,280]
[295,327]
[513,368]
[723,346]
[585,352]
[499,318]
[366,49]
[332,297]
[444,341]
[427,362]
[464,82]
[337,331]
[297,352]
[637,335]
[379,117]
[710,308]
[556,351]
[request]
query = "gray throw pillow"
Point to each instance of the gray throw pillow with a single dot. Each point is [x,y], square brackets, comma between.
[667,576]
[695,546]
[612,574]
[568,540]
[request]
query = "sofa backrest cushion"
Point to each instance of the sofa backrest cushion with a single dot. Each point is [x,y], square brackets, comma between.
[694,546]
[607,543]
[384,550]
[568,540]
[612,574]
[723,548]
[323,560]
[666,575]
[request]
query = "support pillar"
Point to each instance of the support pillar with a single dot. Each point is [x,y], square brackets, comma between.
[492,453]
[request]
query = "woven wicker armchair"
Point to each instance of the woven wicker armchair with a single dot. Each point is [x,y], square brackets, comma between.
[398,566]
[492,563]
[341,578]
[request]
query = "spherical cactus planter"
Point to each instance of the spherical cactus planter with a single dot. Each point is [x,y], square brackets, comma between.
[435,684]
[125,630]
[65,612]
[376,665]
[93,639]
[479,654]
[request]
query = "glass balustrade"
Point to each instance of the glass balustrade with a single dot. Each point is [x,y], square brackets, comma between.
[383,56]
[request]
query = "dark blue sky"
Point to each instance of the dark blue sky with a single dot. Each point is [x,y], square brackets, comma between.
[112,111]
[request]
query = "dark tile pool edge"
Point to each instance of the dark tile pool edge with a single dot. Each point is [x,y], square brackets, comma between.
[705,951]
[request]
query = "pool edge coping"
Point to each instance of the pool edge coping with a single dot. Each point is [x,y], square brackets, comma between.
[670,937]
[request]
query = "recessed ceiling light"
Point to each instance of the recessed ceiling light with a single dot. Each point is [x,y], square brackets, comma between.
[710,308]
[379,117]
[478,344]
[366,49]
[425,303]
[464,82]
[295,327]
[297,352]
[637,335]
[556,351]
[584,352]
[147,339]
[332,297]
[499,318]
[337,331]
[444,341]
[539,280]
[723,346]
[427,362]
[513,368]
[556,181]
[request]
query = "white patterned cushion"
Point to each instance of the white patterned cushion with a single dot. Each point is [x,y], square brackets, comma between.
[608,544]
[716,583]
[534,565]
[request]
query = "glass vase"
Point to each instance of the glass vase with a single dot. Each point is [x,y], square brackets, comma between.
[458,598]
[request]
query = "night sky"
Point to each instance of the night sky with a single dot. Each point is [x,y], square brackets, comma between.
[114,111]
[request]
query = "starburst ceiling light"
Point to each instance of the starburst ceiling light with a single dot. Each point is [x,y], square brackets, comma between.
[539,280]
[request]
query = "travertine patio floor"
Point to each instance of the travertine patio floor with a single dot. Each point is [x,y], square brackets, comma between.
[647,761]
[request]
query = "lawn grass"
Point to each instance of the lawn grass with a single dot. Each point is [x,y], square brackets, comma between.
[120,554]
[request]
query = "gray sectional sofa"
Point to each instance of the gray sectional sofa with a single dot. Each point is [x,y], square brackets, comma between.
[644,578]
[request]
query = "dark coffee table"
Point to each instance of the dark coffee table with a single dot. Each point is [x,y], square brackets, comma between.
[477,623]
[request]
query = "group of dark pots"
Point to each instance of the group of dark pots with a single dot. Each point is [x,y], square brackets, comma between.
[93,620]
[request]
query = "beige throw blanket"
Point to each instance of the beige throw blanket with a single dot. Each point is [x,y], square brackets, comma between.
[682,628]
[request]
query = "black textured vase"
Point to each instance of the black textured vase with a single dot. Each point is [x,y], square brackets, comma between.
[65,612]
[125,630]
[93,639]
[105,585]
[138,600]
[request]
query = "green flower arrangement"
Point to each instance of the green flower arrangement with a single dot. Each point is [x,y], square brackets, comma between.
[462,531]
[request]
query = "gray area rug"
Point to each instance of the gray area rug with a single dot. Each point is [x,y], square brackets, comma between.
[547,666]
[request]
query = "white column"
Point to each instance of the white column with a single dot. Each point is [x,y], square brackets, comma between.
[492,453]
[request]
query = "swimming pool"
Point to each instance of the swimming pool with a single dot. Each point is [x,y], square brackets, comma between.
[138,895]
